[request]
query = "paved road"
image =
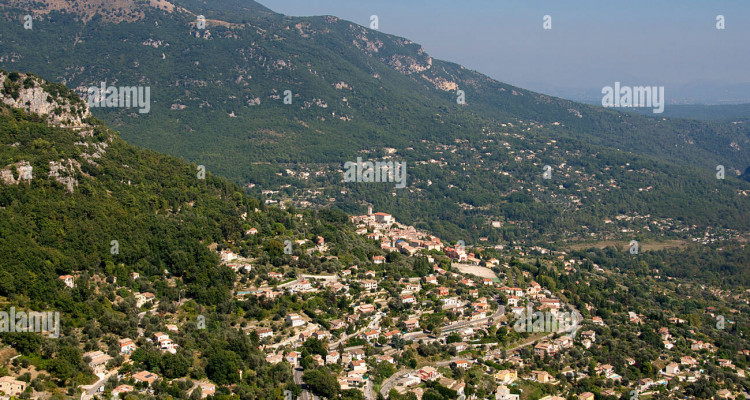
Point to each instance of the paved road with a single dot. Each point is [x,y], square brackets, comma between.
[284,285]
[309,328]
[529,342]
[90,391]
[321,277]
[335,345]
[463,324]
[372,325]
[375,323]
[298,381]
[370,390]
[391,381]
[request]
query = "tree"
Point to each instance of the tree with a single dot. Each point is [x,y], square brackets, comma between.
[322,382]
[453,338]
[61,369]
[25,343]
[174,365]
[422,267]
[307,362]
[315,346]
[352,394]
[223,367]
[274,248]
[432,394]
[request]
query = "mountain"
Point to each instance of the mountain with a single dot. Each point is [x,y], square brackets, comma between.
[75,197]
[217,99]
[712,93]
[732,113]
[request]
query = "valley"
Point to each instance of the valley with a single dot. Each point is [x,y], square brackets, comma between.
[217,201]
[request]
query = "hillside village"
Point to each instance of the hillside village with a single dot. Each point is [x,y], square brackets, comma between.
[452,329]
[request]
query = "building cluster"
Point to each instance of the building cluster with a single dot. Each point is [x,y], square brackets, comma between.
[477,295]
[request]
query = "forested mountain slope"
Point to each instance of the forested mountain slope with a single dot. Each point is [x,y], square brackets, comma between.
[75,197]
[217,99]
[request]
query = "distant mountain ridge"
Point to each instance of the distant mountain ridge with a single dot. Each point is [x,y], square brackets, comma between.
[695,94]
[731,113]
[218,99]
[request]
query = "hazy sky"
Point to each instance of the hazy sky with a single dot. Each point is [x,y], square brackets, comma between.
[592,43]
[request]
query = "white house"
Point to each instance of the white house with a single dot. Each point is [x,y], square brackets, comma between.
[126,346]
[98,361]
[264,333]
[303,285]
[332,357]
[450,301]
[12,387]
[408,299]
[68,280]
[227,256]
[370,284]
[672,369]
[295,320]
[143,298]
[503,393]
[383,218]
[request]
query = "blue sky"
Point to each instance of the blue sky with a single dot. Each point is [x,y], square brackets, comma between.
[591,43]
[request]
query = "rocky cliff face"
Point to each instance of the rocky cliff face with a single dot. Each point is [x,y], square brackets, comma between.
[22,169]
[31,94]
[57,106]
